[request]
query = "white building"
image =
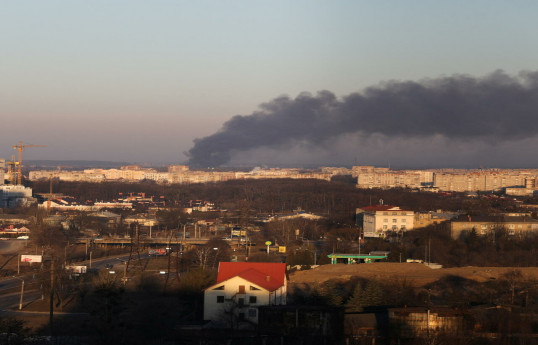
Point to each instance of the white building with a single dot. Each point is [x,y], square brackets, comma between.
[241,288]
[15,195]
[380,219]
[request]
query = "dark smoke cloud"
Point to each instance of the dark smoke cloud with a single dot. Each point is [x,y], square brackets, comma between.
[494,108]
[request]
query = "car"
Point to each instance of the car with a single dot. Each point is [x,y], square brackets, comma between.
[109,266]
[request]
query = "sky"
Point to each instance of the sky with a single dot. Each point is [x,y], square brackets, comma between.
[140,81]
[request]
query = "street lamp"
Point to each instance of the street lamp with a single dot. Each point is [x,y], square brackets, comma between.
[124,279]
[22,292]
[215,257]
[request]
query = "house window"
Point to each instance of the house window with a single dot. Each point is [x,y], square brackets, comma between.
[253,288]
[394,220]
[220,299]
[219,288]
[252,312]
[385,227]
[386,220]
[241,302]
[403,227]
[395,227]
[483,226]
[404,220]
[241,288]
[252,300]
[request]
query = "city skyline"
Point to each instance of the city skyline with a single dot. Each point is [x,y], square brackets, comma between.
[138,82]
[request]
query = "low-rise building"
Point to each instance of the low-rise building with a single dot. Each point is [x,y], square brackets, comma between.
[424,219]
[485,225]
[241,288]
[422,322]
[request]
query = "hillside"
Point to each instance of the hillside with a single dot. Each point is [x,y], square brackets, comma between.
[415,274]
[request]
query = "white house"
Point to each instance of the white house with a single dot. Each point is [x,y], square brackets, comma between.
[378,220]
[241,288]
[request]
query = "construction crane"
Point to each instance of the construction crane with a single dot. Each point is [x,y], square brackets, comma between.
[11,168]
[20,147]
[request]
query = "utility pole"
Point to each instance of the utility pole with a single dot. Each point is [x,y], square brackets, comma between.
[22,294]
[51,302]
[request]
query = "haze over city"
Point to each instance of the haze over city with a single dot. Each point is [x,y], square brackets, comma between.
[414,84]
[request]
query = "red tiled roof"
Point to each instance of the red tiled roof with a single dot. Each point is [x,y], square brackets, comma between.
[268,275]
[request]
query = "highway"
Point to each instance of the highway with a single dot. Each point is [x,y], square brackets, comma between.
[10,288]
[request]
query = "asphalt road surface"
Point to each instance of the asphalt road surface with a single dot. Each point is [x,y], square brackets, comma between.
[12,246]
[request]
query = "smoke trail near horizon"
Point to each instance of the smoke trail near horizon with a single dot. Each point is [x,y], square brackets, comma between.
[497,107]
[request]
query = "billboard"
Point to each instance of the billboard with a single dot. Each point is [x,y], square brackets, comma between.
[157,252]
[31,258]
[76,269]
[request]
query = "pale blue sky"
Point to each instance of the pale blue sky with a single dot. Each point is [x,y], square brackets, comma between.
[139,80]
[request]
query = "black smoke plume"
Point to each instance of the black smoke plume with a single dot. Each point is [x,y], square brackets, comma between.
[496,107]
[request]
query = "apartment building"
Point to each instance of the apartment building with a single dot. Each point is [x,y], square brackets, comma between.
[453,180]
[378,220]
[15,195]
[179,174]
[475,181]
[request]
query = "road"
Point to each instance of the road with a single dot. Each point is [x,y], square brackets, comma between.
[12,246]
[10,287]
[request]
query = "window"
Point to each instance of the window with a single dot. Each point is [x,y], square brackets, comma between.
[394,227]
[241,302]
[252,312]
[394,220]
[483,226]
[386,220]
[394,213]
[253,288]
[219,288]
[241,288]
[220,299]
[403,227]
[385,227]
[252,300]
[404,220]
